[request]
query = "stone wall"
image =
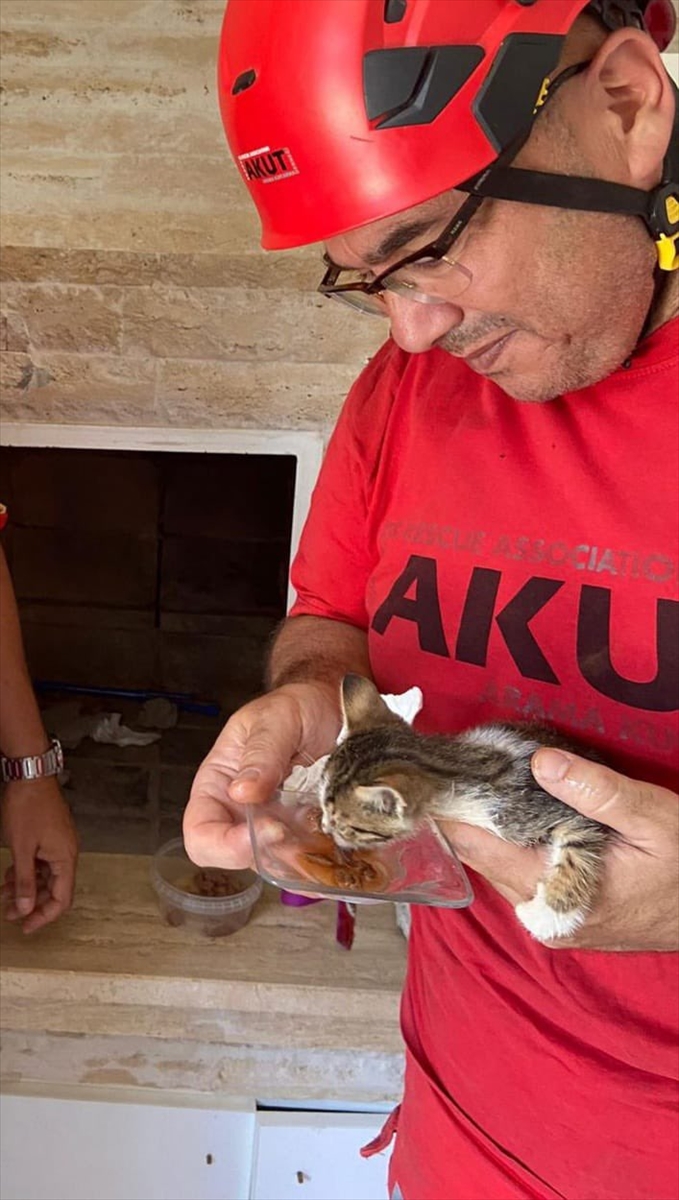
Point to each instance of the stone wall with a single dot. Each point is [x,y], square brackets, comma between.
[134,288]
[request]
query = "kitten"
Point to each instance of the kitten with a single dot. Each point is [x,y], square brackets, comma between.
[384,780]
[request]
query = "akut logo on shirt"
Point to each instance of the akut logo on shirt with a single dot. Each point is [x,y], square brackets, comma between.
[414,597]
[267,166]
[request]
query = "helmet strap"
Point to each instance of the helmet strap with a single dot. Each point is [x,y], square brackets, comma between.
[658,209]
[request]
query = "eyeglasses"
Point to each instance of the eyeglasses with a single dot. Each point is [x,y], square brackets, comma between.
[416,277]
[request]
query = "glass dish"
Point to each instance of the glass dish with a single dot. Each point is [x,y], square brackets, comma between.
[292,852]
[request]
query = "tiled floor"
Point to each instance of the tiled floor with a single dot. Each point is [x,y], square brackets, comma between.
[129,800]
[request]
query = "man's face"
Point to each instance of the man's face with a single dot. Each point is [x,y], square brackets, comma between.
[556,301]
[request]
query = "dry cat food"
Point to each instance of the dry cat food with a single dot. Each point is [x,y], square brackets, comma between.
[210,883]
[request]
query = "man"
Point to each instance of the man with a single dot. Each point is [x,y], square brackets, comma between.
[516,560]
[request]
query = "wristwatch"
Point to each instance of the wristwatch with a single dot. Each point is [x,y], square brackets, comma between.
[33,766]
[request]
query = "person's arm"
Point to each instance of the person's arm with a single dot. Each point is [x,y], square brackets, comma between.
[21,728]
[36,821]
[297,721]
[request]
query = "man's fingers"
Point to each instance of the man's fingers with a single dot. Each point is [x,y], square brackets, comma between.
[42,915]
[626,805]
[513,870]
[264,760]
[218,843]
[257,779]
[250,759]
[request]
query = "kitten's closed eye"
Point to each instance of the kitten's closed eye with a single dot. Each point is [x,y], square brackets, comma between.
[362,814]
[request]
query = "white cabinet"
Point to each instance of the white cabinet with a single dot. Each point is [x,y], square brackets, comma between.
[98,1144]
[315,1156]
[67,1149]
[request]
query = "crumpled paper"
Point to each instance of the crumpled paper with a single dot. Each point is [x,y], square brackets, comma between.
[65,722]
[109,731]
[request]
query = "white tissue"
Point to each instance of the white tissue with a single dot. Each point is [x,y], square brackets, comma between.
[308,779]
[407,704]
[110,732]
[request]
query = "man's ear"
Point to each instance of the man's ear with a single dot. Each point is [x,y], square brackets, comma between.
[381,801]
[362,705]
[628,85]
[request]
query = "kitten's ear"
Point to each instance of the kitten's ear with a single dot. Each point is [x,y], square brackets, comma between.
[382,801]
[362,705]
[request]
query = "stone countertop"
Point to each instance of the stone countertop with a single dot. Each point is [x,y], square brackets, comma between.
[110,994]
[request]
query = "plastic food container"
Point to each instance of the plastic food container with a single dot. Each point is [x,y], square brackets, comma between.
[292,852]
[212,901]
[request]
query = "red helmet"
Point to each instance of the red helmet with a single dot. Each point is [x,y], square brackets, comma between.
[342,112]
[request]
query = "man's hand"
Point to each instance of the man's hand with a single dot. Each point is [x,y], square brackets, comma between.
[39,830]
[251,757]
[638,903]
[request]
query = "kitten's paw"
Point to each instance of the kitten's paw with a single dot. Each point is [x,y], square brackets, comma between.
[544,922]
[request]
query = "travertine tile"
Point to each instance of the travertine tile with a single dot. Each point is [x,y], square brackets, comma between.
[233,394]
[357,1074]
[125,202]
[115,173]
[61,223]
[38,264]
[74,15]
[247,267]
[238,323]
[194,131]
[62,317]
[13,332]
[114,949]
[78,388]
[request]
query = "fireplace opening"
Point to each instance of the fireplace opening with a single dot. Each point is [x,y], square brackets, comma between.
[143,575]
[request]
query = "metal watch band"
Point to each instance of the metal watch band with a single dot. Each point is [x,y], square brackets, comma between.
[33,766]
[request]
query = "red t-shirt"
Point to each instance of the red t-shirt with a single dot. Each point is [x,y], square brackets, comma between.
[519,561]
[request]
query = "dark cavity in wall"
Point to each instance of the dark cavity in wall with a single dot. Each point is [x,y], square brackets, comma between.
[159,572]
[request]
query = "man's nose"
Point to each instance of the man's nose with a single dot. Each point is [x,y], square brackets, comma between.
[417,327]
